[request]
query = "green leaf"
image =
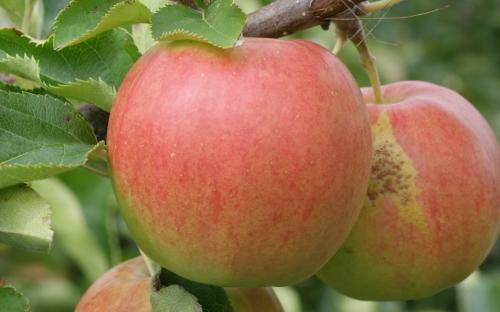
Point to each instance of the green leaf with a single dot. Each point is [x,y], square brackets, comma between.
[211,298]
[220,24]
[90,91]
[143,38]
[84,19]
[173,299]
[40,136]
[24,219]
[90,71]
[71,230]
[13,301]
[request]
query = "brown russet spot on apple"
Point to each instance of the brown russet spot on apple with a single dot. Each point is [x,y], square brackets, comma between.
[432,212]
[393,175]
[387,170]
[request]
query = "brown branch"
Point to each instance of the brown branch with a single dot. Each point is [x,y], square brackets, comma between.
[280,18]
[284,17]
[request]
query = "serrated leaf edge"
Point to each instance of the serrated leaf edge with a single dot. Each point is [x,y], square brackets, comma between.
[98,145]
[24,58]
[28,305]
[107,107]
[200,38]
[85,36]
[52,87]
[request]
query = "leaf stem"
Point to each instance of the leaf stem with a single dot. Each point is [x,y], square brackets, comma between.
[153,267]
[26,17]
[339,44]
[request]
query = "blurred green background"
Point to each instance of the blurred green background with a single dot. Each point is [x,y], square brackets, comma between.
[452,43]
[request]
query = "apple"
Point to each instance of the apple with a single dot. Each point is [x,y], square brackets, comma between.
[127,287]
[243,167]
[432,210]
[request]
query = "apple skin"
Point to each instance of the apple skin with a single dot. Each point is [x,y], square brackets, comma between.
[432,211]
[127,287]
[244,167]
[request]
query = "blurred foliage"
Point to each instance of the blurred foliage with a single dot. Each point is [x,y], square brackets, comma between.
[452,43]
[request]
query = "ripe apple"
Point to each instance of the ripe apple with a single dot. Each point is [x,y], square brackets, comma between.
[127,287]
[241,167]
[432,210]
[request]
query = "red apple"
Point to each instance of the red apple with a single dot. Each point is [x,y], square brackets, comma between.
[241,167]
[127,287]
[432,210]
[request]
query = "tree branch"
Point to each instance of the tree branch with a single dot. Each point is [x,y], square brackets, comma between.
[280,18]
[284,17]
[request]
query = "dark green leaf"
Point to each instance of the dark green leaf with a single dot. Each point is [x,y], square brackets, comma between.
[90,71]
[13,301]
[40,136]
[220,24]
[24,219]
[211,298]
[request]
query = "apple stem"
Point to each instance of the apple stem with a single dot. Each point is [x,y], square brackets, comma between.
[372,7]
[26,17]
[370,66]
[351,27]
[339,44]
[153,267]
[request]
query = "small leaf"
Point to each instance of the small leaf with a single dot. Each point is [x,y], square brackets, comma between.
[24,66]
[13,301]
[90,91]
[173,299]
[24,219]
[211,298]
[220,24]
[90,71]
[40,136]
[84,19]
[71,230]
